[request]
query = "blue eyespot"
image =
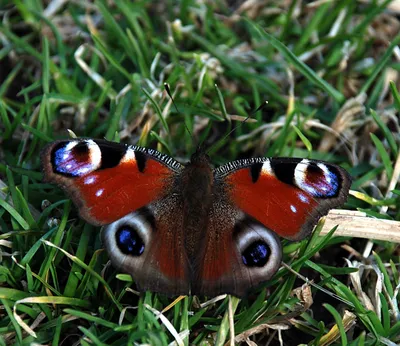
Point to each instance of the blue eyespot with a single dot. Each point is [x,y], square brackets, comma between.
[333,187]
[129,241]
[256,255]
[71,159]
[327,187]
[321,181]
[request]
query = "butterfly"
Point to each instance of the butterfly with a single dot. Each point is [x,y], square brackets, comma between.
[190,228]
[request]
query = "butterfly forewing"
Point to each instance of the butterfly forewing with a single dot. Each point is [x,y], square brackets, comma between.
[286,195]
[107,180]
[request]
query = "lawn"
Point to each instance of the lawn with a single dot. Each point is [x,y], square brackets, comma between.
[316,80]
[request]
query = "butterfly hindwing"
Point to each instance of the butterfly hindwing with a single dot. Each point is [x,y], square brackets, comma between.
[286,195]
[240,253]
[108,180]
[149,245]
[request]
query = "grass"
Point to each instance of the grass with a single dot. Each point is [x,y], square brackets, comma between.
[99,70]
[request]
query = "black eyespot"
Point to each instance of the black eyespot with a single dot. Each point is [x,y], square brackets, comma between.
[81,148]
[256,254]
[129,241]
[313,168]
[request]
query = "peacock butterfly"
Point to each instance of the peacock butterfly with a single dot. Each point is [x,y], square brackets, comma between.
[191,229]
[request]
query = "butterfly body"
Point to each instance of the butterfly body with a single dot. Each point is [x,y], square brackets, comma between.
[193,229]
[195,188]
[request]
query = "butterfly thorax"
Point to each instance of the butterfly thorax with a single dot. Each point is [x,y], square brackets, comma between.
[197,193]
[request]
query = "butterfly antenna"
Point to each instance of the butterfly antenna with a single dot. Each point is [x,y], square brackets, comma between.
[166,86]
[260,107]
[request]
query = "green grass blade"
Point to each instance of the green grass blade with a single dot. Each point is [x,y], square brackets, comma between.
[299,65]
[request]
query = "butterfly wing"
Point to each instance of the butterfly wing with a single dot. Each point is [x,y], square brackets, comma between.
[131,190]
[149,245]
[254,199]
[107,180]
[286,195]
[240,253]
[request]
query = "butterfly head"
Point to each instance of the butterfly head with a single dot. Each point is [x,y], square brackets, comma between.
[200,157]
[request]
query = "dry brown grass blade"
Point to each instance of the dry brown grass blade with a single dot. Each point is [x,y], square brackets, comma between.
[349,320]
[358,224]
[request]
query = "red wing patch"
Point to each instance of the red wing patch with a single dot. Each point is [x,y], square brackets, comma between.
[286,195]
[109,194]
[277,205]
[107,180]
